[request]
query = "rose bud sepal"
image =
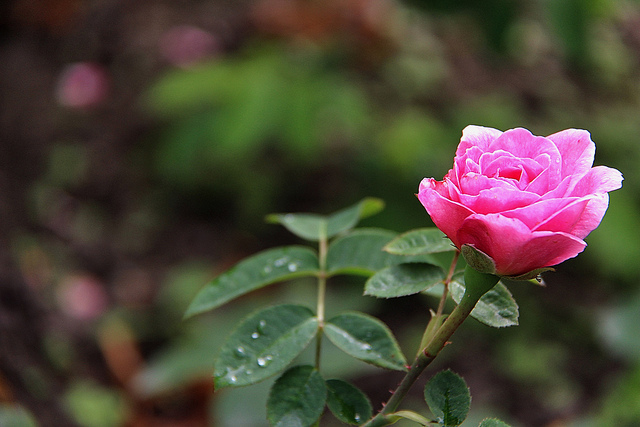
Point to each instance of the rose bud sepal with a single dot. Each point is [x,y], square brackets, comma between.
[478,260]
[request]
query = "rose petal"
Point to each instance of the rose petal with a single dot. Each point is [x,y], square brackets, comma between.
[564,219]
[560,191]
[514,247]
[521,143]
[476,136]
[577,150]
[492,196]
[446,214]
[592,215]
[599,179]
[537,213]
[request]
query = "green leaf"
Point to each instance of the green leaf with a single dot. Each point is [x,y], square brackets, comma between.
[313,227]
[492,422]
[366,338]
[448,398]
[264,344]
[304,225]
[403,279]
[496,308]
[346,219]
[348,403]
[420,241]
[408,415]
[297,398]
[264,268]
[361,253]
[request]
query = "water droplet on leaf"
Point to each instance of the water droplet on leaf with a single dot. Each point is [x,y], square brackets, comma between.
[255,335]
[261,326]
[292,267]
[264,361]
[281,261]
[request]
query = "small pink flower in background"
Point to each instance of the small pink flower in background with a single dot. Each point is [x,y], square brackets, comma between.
[185,45]
[82,297]
[526,201]
[83,85]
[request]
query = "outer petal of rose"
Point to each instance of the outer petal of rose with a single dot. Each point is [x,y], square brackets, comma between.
[595,184]
[478,136]
[446,214]
[599,179]
[536,214]
[577,150]
[565,220]
[514,247]
[592,215]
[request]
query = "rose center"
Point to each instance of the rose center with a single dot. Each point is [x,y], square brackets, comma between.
[511,173]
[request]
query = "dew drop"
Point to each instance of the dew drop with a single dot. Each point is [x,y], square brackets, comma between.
[292,267]
[366,347]
[281,261]
[264,361]
[233,379]
[255,335]
[261,326]
[357,417]
[267,270]
[240,351]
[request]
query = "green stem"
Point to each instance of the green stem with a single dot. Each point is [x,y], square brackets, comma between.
[322,289]
[447,280]
[437,318]
[477,285]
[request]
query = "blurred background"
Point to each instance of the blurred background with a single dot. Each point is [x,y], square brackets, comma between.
[142,143]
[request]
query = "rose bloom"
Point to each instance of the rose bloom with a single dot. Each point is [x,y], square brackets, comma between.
[526,201]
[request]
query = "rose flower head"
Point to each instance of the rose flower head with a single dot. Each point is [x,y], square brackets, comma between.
[520,202]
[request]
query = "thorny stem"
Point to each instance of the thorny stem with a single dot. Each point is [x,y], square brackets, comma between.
[447,280]
[431,350]
[437,318]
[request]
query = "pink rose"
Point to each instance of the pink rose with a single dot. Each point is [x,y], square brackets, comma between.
[526,201]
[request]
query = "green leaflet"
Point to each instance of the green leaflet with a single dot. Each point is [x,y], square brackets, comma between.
[448,398]
[264,268]
[297,398]
[313,227]
[421,241]
[403,279]
[348,403]
[496,308]
[366,338]
[264,344]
